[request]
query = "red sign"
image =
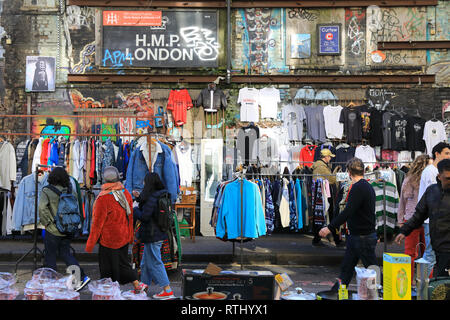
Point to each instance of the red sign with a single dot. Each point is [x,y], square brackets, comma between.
[329,36]
[132,18]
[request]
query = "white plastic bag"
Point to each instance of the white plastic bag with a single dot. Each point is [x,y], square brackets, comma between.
[366,281]
[105,289]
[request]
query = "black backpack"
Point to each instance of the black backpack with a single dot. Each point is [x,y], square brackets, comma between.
[67,217]
[164,216]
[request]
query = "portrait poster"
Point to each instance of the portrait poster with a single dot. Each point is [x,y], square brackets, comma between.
[40,74]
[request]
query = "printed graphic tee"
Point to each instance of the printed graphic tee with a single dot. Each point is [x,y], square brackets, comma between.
[398,140]
[293,116]
[249,100]
[365,121]
[333,128]
[433,133]
[351,118]
[268,100]
[387,130]
[414,134]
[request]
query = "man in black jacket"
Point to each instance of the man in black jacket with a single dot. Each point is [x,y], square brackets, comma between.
[435,204]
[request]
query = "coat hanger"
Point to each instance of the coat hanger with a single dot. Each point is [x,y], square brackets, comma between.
[351,104]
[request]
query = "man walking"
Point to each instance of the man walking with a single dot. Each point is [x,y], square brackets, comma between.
[435,205]
[440,151]
[359,213]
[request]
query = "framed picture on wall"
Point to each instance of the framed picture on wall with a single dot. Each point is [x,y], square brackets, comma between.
[40,74]
[329,39]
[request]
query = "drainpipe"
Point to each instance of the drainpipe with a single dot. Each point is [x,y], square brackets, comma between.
[228,41]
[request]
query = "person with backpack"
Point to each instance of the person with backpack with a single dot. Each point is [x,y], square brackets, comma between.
[60,215]
[112,228]
[154,212]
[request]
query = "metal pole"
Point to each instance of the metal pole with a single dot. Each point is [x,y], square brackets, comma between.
[35,218]
[384,215]
[242,221]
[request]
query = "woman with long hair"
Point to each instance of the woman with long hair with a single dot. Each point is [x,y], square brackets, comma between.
[408,201]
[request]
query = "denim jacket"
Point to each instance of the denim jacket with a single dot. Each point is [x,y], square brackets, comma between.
[165,166]
[136,171]
[23,212]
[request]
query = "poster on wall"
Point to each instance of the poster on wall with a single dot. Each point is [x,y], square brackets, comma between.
[40,74]
[329,39]
[170,39]
[300,46]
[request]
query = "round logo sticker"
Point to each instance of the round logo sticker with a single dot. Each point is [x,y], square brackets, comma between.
[329,36]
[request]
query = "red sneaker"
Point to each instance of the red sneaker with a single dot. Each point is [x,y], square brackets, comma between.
[164,295]
[141,287]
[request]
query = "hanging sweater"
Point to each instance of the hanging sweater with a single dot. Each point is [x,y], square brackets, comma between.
[392,202]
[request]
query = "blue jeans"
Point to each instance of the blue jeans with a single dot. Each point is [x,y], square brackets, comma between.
[429,254]
[358,247]
[152,267]
[59,246]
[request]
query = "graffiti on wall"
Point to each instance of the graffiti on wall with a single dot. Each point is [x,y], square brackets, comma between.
[355,26]
[261,46]
[78,17]
[395,24]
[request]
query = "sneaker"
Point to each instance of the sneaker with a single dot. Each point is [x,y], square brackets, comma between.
[164,295]
[142,287]
[83,284]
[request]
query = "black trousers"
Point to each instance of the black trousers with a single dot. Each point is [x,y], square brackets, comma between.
[115,264]
[442,263]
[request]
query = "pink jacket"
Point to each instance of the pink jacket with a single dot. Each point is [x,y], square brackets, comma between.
[408,200]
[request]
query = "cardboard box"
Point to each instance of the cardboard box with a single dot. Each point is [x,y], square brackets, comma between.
[228,285]
[396,276]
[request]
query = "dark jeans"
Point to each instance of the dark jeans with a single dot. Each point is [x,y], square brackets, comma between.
[59,246]
[442,263]
[115,264]
[358,247]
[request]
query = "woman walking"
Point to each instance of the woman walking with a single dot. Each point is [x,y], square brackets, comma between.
[112,227]
[408,201]
[152,267]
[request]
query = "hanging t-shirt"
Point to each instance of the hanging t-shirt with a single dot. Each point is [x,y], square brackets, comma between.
[315,123]
[387,130]
[343,154]
[365,121]
[433,133]
[268,100]
[249,100]
[351,118]
[185,164]
[398,141]
[179,103]
[333,128]
[376,127]
[265,149]
[414,134]
[293,116]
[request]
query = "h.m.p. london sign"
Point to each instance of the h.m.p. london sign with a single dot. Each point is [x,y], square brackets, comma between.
[160,39]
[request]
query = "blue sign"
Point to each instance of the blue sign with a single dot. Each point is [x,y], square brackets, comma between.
[329,42]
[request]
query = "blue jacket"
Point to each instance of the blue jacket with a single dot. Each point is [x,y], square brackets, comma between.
[149,231]
[136,171]
[298,192]
[229,219]
[165,166]
[23,211]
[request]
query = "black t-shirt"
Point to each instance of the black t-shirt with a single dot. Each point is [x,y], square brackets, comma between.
[376,127]
[414,134]
[351,118]
[398,132]
[365,120]
[342,156]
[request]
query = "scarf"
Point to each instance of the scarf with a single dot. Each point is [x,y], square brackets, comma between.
[116,189]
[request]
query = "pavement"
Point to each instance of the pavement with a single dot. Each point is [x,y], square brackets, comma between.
[276,249]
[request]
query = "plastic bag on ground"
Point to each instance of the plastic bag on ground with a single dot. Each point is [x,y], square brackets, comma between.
[130,295]
[366,282]
[105,289]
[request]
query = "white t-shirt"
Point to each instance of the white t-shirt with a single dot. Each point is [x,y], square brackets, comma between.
[427,178]
[249,100]
[433,133]
[333,128]
[185,164]
[367,155]
[268,100]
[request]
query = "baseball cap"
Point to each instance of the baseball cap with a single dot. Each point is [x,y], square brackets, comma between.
[326,152]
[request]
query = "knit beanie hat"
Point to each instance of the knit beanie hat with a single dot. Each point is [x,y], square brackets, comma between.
[111,174]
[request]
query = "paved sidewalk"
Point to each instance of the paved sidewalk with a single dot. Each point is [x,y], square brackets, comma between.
[277,249]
